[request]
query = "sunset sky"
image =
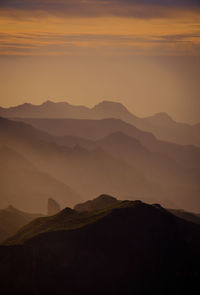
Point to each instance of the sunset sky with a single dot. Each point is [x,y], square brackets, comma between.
[143,53]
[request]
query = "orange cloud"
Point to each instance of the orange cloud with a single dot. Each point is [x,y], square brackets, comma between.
[51,31]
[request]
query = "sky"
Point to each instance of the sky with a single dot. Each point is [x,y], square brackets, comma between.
[143,53]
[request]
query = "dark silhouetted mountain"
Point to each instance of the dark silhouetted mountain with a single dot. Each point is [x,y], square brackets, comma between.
[132,248]
[161,124]
[186,215]
[52,207]
[25,186]
[101,202]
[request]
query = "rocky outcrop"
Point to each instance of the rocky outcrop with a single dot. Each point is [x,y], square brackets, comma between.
[53,207]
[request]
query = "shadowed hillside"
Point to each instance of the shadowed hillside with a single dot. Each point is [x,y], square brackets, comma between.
[130,248]
[186,215]
[11,219]
[102,202]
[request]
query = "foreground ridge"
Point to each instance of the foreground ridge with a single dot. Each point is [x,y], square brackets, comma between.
[128,247]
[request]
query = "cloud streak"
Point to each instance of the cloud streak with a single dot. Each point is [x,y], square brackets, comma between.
[98,8]
[44,27]
[51,44]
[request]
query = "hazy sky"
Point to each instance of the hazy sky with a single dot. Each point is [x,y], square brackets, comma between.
[144,53]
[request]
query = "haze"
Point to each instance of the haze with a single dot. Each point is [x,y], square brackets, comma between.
[145,54]
[99,147]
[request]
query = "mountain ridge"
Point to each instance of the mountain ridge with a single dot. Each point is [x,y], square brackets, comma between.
[128,168]
[160,124]
[130,248]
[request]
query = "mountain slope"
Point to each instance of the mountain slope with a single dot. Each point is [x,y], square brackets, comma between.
[186,215]
[26,187]
[159,168]
[120,163]
[160,124]
[89,172]
[99,203]
[133,248]
[97,129]
[165,128]
[11,219]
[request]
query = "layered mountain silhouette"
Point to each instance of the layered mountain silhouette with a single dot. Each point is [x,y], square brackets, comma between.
[11,219]
[89,172]
[97,129]
[161,124]
[129,248]
[119,159]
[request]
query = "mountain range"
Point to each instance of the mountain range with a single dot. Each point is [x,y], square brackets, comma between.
[89,172]
[97,129]
[112,157]
[160,124]
[129,247]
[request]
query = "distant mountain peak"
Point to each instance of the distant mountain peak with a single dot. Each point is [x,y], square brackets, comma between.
[105,197]
[107,104]
[163,116]
[47,102]
[52,103]
[24,105]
